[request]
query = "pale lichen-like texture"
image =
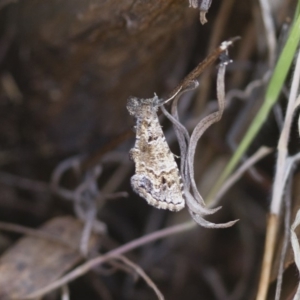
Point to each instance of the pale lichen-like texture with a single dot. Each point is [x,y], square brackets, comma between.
[156,176]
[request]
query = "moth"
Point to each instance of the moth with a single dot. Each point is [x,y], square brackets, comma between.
[157,177]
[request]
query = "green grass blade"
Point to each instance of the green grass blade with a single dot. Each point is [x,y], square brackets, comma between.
[297,12]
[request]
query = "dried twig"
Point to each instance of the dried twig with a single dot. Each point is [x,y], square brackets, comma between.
[194,74]
[87,266]
[141,272]
[296,249]
[24,183]
[72,163]
[87,231]
[258,155]
[279,183]
[270,30]
[65,293]
[215,282]
[240,120]
[287,224]
[86,196]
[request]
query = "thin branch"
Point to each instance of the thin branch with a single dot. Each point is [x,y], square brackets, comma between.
[296,249]
[216,283]
[252,160]
[24,183]
[141,272]
[270,30]
[65,293]
[212,57]
[87,266]
[87,231]
[287,225]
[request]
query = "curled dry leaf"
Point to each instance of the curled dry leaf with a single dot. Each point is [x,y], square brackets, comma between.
[33,262]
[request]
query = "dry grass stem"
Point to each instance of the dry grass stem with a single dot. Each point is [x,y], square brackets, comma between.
[214,280]
[209,60]
[270,30]
[87,231]
[286,238]
[278,186]
[270,243]
[296,249]
[282,165]
[24,183]
[141,272]
[65,293]
[257,156]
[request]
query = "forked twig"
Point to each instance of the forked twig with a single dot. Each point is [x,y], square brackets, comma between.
[286,238]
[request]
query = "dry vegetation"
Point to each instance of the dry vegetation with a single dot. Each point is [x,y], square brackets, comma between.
[70,225]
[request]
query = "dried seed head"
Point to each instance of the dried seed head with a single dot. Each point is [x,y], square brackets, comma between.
[138,107]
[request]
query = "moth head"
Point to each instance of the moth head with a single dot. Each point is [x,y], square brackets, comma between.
[133,105]
[140,107]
